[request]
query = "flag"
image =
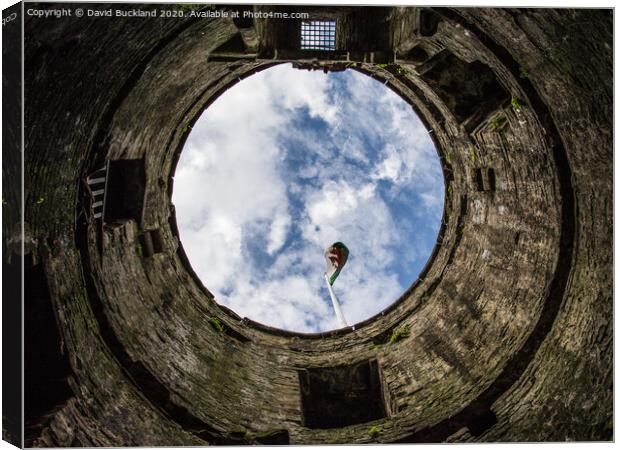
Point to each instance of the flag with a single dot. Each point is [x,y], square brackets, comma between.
[336,256]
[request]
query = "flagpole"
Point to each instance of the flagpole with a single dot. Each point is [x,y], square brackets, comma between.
[339,315]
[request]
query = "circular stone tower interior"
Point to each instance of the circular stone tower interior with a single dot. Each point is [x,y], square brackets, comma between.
[505,336]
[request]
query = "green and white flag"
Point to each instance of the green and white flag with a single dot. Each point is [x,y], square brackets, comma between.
[336,256]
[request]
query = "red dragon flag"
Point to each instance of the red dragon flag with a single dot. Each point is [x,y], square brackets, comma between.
[336,256]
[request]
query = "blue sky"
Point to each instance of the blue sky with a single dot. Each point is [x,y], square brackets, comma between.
[284,164]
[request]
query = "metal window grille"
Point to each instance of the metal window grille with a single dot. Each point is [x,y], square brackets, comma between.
[318,35]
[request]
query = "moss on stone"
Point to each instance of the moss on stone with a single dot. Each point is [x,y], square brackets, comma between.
[400,333]
[373,431]
[516,103]
[216,323]
[472,154]
[497,121]
[393,68]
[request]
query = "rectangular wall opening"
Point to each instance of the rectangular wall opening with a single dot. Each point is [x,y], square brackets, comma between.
[491,178]
[124,191]
[318,35]
[485,179]
[478,181]
[151,242]
[429,22]
[335,397]
[470,90]
[158,240]
[46,366]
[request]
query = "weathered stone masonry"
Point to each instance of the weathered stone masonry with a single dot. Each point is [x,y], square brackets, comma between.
[509,326]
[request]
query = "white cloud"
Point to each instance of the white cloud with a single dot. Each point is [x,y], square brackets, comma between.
[215,264]
[392,167]
[278,232]
[335,203]
[255,230]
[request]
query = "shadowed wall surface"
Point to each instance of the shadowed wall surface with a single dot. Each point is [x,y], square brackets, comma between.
[506,335]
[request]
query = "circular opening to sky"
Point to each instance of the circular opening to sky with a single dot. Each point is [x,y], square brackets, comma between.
[284,164]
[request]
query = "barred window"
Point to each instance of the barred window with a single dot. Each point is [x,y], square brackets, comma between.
[318,35]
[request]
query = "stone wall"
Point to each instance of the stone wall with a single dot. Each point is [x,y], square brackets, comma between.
[509,326]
